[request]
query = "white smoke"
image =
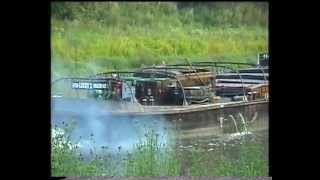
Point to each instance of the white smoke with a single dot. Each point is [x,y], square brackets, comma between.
[96,127]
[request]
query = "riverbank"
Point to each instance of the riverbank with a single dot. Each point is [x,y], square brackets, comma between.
[77,49]
[88,38]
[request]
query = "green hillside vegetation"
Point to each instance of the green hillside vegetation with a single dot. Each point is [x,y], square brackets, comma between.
[93,37]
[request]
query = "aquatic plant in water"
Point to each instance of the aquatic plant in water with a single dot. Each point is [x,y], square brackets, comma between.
[152,158]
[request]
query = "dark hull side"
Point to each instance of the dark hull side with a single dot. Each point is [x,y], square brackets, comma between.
[247,110]
[199,118]
[197,114]
[255,114]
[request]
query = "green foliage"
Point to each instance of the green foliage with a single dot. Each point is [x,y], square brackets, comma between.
[151,158]
[131,34]
[64,158]
[151,13]
[251,162]
[125,50]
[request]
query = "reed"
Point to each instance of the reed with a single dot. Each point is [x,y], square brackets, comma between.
[151,158]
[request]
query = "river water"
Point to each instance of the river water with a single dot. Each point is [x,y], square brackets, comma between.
[114,133]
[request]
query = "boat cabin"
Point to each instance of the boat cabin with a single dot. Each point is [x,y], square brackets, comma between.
[172,85]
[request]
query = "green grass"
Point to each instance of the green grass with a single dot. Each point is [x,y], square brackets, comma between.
[76,42]
[150,158]
[95,37]
[78,50]
[251,161]
[65,161]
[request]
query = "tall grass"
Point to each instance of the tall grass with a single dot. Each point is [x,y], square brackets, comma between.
[251,161]
[150,158]
[129,35]
[76,50]
[65,160]
[75,42]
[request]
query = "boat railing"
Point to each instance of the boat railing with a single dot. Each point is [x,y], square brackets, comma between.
[118,75]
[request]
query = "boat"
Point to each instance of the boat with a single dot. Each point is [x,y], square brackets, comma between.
[193,90]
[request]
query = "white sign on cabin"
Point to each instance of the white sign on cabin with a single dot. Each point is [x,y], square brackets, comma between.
[88,85]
